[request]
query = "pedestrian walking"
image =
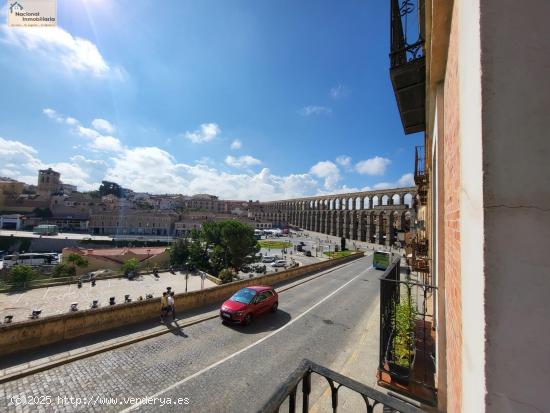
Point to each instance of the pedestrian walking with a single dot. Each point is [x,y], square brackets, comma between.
[163,306]
[172,305]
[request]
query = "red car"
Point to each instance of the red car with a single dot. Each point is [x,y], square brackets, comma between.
[248,303]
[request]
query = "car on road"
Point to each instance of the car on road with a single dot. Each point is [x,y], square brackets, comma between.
[268,259]
[248,303]
[279,263]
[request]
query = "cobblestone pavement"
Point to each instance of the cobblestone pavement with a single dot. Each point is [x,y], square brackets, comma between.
[56,300]
[240,384]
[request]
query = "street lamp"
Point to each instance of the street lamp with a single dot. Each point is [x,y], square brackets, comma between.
[186,265]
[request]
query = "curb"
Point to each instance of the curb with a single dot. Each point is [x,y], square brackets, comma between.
[85,354]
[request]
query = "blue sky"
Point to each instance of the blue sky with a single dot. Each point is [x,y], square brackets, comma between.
[242,99]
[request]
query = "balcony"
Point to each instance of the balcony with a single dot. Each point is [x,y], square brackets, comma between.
[408,64]
[407,349]
[420,174]
[287,394]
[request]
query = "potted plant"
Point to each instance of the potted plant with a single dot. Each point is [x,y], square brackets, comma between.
[402,341]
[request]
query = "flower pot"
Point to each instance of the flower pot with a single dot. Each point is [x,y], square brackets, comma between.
[401,374]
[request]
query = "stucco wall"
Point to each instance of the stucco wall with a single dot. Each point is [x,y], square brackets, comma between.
[35,333]
[515,44]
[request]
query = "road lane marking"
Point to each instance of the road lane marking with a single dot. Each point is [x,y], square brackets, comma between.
[217,363]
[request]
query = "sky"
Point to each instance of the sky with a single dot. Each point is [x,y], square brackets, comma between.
[259,100]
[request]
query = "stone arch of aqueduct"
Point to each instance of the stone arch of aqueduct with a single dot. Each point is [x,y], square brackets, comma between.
[370,216]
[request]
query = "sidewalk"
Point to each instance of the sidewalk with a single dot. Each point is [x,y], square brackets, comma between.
[359,363]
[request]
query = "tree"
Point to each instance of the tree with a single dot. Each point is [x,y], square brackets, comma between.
[195,234]
[217,259]
[239,242]
[77,260]
[343,244]
[63,270]
[211,233]
[179,252]
[110,188]
[198,257]
[226,276]
[130,266]
[21,274]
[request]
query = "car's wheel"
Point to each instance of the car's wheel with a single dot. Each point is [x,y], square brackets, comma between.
[274,307]
[247,319]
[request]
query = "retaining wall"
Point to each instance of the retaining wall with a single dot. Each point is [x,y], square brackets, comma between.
[34,333]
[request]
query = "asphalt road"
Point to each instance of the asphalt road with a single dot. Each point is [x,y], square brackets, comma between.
[216,368]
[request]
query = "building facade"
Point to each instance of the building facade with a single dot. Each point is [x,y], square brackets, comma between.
[133,222]
[475,83]
[49,181]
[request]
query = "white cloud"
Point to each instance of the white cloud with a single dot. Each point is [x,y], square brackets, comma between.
[236,144]
[339,91]
[151,169]
[372,166]
[106,143]
[52,114]
[97,141]
[241,161]
[54,43]
[19,161]
[384,185]
[87,132]
[205,133]
[315,110]
[327,170]
[133,170]
[103,125]
[406,180]
[344,161]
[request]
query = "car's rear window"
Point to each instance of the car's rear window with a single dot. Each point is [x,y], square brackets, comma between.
[243,296]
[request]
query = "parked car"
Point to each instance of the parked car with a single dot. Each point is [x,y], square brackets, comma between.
[279,263]
[268,259]
[248,303]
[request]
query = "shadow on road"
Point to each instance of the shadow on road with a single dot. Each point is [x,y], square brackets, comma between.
[176,329]
[262,323]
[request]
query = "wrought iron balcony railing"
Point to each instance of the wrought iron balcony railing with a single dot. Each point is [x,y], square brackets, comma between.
[407,350]
[407,62]
[288,391]
[419,165]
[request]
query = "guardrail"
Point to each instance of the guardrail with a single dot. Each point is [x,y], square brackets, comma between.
[289,389]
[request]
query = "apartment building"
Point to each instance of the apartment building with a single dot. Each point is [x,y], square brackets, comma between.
[133,222]
[474,80]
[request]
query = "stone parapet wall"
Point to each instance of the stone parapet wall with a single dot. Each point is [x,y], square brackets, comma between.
[35,333]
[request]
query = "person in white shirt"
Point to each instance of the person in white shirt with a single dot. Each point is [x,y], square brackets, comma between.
[171,305]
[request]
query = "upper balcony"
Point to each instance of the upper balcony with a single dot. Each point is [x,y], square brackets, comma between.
[408,64]
[421,174]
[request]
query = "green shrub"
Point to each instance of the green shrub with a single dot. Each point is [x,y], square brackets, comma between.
[21,274]
[404,335]
[63,270]
[131,265]
[226,275]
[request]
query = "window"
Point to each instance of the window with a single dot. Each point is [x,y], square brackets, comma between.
[263,296]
